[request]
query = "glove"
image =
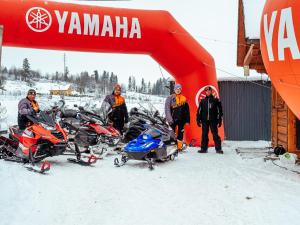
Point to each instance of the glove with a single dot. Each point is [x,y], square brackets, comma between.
[32,112]
[220,123]
[198,123]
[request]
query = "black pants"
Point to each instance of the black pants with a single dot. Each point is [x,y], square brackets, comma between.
[23,122]
[180,126]
[119,125]
[213,125]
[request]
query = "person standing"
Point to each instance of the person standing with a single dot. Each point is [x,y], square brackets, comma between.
[27,106]
[119,114]
[209,116]
[177,113]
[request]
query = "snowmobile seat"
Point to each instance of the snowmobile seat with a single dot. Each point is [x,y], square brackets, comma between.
[70,113]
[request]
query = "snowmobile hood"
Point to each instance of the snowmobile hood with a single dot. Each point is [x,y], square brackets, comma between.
[143,143]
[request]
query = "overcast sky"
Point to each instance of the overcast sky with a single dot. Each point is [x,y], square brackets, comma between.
[212,22]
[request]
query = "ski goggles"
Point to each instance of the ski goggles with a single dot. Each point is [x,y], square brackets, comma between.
[31,93]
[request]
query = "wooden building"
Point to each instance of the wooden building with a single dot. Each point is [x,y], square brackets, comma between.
[67,91]
[285,128]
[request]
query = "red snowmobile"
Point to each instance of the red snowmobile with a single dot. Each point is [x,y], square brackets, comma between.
[87,130]
[43,138]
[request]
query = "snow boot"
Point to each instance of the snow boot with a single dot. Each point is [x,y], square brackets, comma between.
[179,145]
[202,151]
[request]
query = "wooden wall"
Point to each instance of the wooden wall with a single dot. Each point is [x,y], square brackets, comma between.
[283,124]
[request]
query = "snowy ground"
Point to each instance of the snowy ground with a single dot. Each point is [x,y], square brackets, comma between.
[194,189]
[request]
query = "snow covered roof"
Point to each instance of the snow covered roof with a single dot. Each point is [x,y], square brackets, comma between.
[258,77]
[253,11]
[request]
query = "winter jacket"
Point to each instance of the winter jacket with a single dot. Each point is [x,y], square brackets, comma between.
[177,109]
[26,108]
[119,109]
[210,109]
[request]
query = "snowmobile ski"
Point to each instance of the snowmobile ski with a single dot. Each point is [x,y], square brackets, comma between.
[124,160]
[92,159]
[42,169]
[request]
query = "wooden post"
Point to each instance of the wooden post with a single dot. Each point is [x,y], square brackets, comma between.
[1,39]
[291,131]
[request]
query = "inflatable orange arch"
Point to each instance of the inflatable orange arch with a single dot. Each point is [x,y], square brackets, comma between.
[74,27]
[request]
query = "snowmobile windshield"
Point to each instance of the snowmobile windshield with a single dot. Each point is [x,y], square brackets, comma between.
[105,110]
[154,133]
[46,117]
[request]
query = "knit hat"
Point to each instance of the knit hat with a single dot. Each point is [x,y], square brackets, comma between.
[31,92]
[208,88]
[117,86]
[177,86]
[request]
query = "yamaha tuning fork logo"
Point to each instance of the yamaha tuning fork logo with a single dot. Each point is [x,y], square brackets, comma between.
[38,19]
[201,93]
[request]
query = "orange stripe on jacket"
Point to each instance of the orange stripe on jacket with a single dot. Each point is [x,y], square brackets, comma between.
[180,100]
[119,100]
[35,106]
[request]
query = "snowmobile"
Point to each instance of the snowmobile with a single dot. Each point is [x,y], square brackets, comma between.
[108,134]
[42,139]
[152,145]
[143,119]
[86,131]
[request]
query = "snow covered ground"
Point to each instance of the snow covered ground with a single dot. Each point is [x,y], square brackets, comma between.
[194,189]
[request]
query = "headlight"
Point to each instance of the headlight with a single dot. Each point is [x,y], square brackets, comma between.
[47,127]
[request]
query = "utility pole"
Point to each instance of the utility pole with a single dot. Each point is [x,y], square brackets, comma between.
[171,86]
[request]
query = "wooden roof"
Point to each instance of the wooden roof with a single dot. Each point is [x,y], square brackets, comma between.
[248,50]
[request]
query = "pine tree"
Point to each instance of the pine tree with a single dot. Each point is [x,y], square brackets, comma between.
[96,76]
[149,88]
[134,87]
[66,73]
[129,84]
[26,70]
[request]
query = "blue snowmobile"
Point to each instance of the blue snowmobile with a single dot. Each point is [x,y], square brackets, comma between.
[150,146]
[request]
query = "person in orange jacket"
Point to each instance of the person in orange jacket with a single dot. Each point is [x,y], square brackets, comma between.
[27,107]
[177,113]
[119,114]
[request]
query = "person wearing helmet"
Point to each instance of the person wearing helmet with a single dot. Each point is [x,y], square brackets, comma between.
[177,113]
[119,114]
[27,106]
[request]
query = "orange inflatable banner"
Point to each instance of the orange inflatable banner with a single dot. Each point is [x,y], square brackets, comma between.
[75,27]
[280,42]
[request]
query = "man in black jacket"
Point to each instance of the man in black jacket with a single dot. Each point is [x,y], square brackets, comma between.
[209,115]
